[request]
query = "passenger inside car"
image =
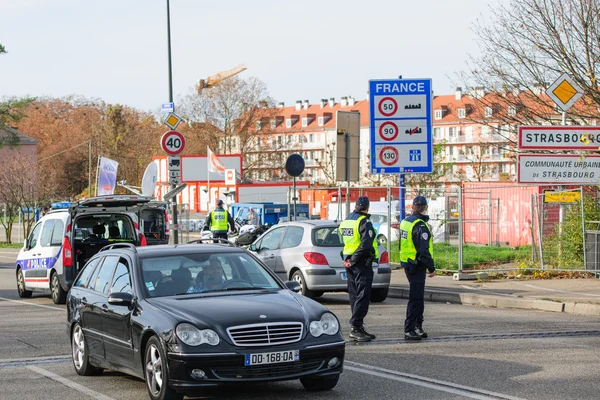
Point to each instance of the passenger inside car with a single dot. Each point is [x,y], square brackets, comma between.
[211,277]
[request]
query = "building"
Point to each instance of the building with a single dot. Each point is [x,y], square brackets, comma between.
[12,141]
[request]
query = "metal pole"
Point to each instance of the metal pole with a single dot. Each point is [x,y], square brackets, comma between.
[295,198]
[460,230]
[401,199]
[490,218]
[173,186]
[583,228]
[497,222]
[389,217]
[90,169]
[347,139]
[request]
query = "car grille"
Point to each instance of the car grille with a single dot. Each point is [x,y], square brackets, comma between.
[266,334]
[268,371]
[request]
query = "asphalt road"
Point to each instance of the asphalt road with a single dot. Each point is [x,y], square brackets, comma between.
[472,353]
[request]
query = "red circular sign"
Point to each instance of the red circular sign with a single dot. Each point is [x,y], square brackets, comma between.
[387,106]
[388,131]
[172,142]
[388,155]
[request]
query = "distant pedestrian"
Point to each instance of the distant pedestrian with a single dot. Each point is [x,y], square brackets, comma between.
[252,218]
[219,220]
[416,257]
[360,249]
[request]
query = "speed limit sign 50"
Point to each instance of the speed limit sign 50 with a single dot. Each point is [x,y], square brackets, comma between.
[172,142]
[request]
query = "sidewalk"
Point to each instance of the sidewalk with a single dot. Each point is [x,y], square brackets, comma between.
[577,296]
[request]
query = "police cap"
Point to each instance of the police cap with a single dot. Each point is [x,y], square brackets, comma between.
[362,202]
[419,201]
[219,202]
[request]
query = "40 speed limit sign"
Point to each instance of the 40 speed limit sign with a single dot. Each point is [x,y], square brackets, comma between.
[173,143]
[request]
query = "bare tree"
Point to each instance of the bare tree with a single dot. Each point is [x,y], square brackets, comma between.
[441,169]
[525,45]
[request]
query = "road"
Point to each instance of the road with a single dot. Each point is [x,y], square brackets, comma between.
[473,353]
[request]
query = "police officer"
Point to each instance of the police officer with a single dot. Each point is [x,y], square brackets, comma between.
[416,256]
[360,248]
[218,220]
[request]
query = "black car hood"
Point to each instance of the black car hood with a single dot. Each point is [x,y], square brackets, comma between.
[222,311]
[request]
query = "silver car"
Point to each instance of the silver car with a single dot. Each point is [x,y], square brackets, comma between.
[309,252]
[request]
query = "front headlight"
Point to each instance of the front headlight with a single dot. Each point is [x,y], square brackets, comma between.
[327,325]
[193,336]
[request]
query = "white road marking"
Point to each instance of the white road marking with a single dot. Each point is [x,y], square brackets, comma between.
[32,304]
[69,383]
[435,384]
[557,290]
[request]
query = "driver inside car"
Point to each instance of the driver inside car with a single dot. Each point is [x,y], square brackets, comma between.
[211,278]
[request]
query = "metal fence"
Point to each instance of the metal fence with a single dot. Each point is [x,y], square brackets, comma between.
[481,214]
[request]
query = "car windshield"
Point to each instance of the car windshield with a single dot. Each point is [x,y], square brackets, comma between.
[199,273]
[326,236]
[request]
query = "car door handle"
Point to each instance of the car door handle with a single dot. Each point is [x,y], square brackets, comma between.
[83,301]
[271,255]
[104,308]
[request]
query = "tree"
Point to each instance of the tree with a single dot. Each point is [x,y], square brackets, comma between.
[525,45]
[12,111]
[426,183]
[2,49]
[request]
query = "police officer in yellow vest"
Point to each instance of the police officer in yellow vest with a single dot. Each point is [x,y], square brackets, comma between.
[360,249]
[218,221]
[416,256]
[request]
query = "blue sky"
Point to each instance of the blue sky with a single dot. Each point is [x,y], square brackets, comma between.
[116,50]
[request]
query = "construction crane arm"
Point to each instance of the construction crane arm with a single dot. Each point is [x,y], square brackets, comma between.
[217,78]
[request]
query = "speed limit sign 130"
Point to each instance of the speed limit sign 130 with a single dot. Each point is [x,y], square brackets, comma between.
[173,143]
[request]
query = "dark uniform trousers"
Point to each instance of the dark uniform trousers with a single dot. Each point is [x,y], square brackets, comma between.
[416,299]
[360,280]
[219,235]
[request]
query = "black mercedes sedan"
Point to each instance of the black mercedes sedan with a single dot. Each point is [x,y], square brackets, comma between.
[189,316]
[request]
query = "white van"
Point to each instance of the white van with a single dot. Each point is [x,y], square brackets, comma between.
[63,240]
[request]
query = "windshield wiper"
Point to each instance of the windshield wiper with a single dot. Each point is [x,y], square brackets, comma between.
[243,288]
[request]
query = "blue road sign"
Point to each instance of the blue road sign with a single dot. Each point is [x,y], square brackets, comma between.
[167,107]
[401,126]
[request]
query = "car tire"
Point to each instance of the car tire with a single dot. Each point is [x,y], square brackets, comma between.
[80,353]
[379,295]
[156,372]
[382,240]
[315,384]
[59,295]
[299,277]
[21,291]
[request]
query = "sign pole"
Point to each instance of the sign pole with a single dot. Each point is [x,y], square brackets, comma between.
[347,139]
[294,217]
[402,200]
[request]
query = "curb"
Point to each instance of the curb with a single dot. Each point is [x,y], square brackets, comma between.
[501,301]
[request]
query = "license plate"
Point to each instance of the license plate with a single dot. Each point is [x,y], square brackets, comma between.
[272,358]
[343,275]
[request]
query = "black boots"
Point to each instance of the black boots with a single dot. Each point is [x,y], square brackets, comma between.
[360,335]
[412,335]
[421,332]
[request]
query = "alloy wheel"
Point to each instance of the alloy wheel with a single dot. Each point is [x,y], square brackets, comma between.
[21,282]
[298,278]
[154,373]
[78,344]
[55,287]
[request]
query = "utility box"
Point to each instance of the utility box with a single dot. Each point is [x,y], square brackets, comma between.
[269,213]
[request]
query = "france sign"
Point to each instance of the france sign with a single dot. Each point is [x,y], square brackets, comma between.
[401,126]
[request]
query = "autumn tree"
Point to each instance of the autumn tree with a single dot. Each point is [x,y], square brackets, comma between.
[2,49]
[527,44]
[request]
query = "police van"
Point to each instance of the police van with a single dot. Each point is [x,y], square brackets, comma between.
[62,241]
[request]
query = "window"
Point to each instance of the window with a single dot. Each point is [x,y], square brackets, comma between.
[293,237]
[321,121]
[122,281]
[304,122]
[485,131]
[258,125]
[451,151]
[33,236]
[438,114]
[327,237]
[271,239]
[311,138]
[273,124]
[105,275]
[489,111]
[452,131]
[288,123]
[87,271]
[437,132]
[46,234]
[57,233]
[512,111]
[462,113]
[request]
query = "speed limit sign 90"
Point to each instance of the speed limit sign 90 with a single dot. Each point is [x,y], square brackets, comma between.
[172,142]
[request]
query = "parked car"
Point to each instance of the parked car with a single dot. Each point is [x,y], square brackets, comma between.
[63,240]
[380,223]
[130,310]
[309,252]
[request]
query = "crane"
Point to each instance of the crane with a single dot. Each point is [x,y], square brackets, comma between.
[217,78]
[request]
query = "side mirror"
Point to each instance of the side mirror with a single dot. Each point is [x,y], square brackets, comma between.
[252,247]
[120,299]
[26,244]
[294,286]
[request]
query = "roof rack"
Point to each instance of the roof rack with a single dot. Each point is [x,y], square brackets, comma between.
[211,241]
[119,245]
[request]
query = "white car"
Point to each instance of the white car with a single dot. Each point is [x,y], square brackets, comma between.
[63,240]
[380,223]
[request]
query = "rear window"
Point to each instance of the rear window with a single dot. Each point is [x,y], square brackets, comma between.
[326,236]
[154,222]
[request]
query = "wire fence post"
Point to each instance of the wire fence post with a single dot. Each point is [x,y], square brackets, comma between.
[460,230]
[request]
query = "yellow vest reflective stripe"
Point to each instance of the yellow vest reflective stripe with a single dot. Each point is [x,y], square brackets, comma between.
[407,246]
[351,236]
[219,220]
